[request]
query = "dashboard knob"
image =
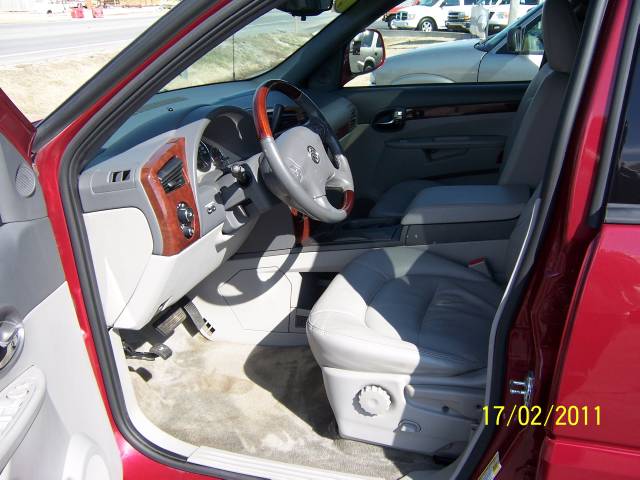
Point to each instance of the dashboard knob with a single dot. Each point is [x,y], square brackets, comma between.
[185,214]
[187,231]
[240,173]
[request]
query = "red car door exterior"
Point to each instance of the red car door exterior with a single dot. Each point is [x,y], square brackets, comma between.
[601,358]
[551,296]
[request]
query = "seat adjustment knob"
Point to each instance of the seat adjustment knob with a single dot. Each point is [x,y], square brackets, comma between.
[374,400]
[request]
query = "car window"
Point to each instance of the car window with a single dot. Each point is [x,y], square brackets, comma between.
[367,38]
[626,181]
[48,49]
[533,39]
[257,48]
[532,43]
[432,44]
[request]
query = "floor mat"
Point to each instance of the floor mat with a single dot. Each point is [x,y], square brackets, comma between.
[263,401]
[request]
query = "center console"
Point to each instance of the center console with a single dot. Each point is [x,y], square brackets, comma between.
[443,214]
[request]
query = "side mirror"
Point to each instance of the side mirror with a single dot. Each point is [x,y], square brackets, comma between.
[366,52]
[515,40]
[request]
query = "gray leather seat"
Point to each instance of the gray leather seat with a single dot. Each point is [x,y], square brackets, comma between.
[405,311]
[528,146]
[402,335]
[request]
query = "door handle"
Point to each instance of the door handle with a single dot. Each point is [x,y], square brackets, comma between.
[393,120]
[11,337]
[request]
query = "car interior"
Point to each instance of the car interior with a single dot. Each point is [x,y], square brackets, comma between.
[300,279]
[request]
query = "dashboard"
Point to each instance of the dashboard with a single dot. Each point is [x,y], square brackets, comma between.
[170,198]
[229,138]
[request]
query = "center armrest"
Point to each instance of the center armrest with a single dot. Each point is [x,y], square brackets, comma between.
[466,204]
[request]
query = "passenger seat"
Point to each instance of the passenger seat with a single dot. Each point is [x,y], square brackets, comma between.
[528,147]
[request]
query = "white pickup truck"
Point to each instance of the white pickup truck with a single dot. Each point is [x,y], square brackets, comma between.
[459,14]
[427,16]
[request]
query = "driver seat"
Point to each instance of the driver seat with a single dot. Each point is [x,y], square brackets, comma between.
[402,338]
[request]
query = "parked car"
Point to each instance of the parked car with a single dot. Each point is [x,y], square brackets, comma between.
[500,18]
[469,60]
[179,299]
[489,17]
[481,12]
[427,16]
[391,14]
[366,51]
[459,15]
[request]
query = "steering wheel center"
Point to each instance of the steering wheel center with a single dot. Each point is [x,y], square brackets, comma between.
[298,168]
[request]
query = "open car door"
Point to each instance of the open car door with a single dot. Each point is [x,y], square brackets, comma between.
[53,421]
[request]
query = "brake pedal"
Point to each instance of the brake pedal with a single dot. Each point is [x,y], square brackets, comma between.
[159,350]
[129,352]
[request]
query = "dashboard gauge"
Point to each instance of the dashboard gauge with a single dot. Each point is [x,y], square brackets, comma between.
[205,159]
[219,160]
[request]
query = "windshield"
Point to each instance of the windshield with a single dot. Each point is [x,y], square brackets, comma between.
[257,48]
[429,3]
[494,40]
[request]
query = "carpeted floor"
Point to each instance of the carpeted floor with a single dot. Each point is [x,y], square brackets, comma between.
[263,401]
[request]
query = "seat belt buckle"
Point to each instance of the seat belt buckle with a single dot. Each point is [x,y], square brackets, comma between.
[480,265]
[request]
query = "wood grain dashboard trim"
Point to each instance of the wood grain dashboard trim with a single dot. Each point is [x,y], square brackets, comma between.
[165,205]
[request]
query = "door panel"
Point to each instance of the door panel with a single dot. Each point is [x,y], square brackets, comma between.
[53,422]
[451,139]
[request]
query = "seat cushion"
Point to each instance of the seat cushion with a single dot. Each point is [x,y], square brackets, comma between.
[404,310]
[395,201]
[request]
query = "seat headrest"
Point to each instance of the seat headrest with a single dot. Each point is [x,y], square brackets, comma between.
[561,34]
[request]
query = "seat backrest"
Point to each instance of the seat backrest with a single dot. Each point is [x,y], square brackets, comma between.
[528,148]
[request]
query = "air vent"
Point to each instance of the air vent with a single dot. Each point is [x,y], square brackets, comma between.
[120,176]
[170,176]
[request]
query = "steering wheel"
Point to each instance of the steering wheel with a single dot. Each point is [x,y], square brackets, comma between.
[304,161]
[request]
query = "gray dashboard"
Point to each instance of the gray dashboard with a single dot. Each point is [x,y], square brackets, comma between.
[114,178]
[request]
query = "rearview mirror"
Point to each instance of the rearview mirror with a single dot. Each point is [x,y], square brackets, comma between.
[515,40]
[306,8]
[366,52]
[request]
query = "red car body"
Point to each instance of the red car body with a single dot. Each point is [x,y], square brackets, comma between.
[581,309]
